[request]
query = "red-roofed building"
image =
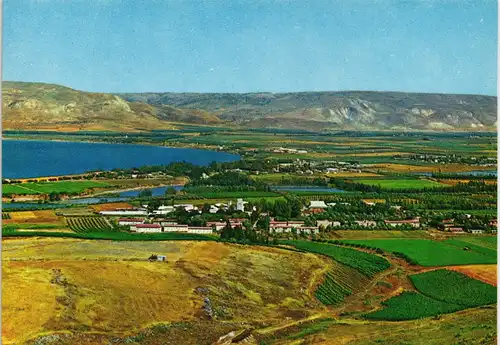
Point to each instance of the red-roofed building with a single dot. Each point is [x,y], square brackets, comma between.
[146,228]
[130,221]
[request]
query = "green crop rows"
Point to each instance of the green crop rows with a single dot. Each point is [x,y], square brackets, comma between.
[367,264]
[454,287]
[412,305]
[88,224]
[330,292]
[440,292]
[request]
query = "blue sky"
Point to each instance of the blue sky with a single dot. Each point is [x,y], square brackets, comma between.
[447,46]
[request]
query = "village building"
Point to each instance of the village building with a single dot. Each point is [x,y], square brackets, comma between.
[326,223]
[130,221]
[240,205]
[476,231]
[412,222]
[164,209]
[146,228]
[175,228]
[125,212]
[308,230]
[217,225]
[166,221]
[366,222]
[457,230]
[200,230]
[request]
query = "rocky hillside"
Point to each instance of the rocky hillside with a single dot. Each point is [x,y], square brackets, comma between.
[344,110]
[28,106]
[48,106]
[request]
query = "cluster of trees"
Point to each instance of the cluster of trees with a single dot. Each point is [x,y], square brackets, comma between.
[468,187]
[235,180]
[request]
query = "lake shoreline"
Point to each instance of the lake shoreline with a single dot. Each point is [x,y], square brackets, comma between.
[102,157]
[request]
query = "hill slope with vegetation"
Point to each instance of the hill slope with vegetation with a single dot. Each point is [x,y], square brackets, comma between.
[34,106]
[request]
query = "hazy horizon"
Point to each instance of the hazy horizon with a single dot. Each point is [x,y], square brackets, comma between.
[116,46]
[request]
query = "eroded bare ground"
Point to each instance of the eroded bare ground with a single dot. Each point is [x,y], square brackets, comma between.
[109,288]
[102,292]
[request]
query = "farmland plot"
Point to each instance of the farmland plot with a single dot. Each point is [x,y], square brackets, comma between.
[428,252]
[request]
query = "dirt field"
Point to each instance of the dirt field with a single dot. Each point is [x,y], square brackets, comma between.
[485,273]
[111,206]
[110,287]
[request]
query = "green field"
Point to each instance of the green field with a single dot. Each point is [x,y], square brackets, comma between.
[48,187]
[429,252]
[439,292]
[401,184]
[367,264]
[455,288]
[412,305]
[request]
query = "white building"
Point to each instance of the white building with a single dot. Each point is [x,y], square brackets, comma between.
[366,222]
[134,212]
[175,228]
[206,230]
[326,223]
[308,230]
[187,207]
[240,205]
[317,204]
[130,221]
[164,209]
[218,225]
[146,228]
[476,231]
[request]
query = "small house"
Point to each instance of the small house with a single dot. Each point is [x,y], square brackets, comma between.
[476,231]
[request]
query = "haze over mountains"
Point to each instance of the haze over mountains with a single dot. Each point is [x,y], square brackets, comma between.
[31,106]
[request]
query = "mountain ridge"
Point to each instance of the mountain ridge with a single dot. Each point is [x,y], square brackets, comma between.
[38,106]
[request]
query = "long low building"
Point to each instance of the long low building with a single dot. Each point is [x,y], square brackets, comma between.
[175,227]
[200,230]
[130,221]
[146,228]
[412,222]
[118,212]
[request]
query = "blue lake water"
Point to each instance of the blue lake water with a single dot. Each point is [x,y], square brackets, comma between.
[35,158]
[157,191]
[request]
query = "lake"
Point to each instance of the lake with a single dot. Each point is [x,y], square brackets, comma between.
[36,158]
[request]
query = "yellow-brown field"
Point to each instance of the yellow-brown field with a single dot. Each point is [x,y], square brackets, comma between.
[52,285]
[39,216]
[485,273]
[111,206]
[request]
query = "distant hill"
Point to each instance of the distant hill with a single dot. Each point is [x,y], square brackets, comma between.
[339,110]
[47,106]
[55,107]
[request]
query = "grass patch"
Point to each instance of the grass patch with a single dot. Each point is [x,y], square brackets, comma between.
[428,252]
[115,236]
[70,187]
[313,328]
